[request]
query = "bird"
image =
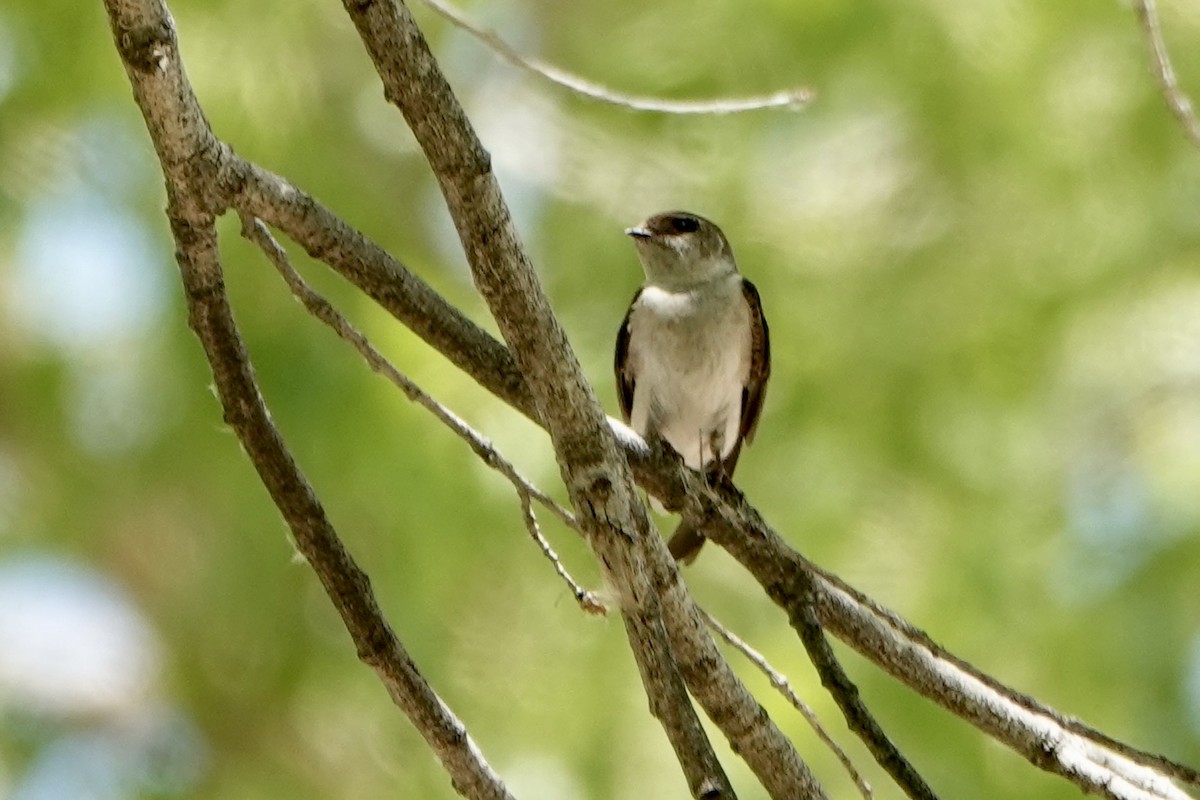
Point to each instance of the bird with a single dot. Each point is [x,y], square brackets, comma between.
[693,353]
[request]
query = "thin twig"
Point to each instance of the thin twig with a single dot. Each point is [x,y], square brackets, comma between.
[588,601]
[860,720]
[784,687]
[1040,734]
[1122,763]
[255,231]
[1177,101]
[786,99]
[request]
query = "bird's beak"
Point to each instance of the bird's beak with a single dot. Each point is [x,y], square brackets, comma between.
[637,233]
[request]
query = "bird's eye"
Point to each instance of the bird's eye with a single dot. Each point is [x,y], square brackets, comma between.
[684,224]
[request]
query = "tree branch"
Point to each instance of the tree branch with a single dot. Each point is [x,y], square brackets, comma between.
[323,310]
[860,720]
[1164,73]
[145,38]
[602,495]
[326,238]
[1040,734]
[786,99]
[597,477]
[211,177]
[726,700]
[784,687]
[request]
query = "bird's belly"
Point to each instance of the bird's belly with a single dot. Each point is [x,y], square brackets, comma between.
[690,392]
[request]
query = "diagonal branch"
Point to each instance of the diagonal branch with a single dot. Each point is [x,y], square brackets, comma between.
[1041,735]
[324,311]
[414,303]
[345,583]
[597,477]
[217,178]
[144,36]
[1176,99]
[597,480]
[860,720]
[786,99]
[751,733]
[781,683]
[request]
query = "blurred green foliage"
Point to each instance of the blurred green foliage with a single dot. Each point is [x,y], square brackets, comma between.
[979,251]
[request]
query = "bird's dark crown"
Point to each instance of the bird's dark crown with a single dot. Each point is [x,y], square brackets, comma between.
[675,223]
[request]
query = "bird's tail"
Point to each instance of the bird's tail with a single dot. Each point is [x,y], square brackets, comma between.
[688,538]
[686,542]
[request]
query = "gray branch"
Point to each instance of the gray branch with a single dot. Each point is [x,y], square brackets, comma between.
[1091,760]
[596,474]
[794,98]
[145,38]
[598,483]
[847,696]
[784,687]
[1160,61]
[205,177]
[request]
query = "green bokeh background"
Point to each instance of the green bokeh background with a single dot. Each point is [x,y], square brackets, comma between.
[979,252]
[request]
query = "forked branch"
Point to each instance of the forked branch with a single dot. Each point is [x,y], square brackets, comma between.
[205,177]
[666,631]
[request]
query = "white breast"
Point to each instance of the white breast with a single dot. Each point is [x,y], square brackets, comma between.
[690,354]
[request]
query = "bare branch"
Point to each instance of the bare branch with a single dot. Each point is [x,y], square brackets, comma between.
[323,310]
[751,733]
[634,556]
[786,99]
[146,40]
[784,687]
[588,601]
[1039,736]
[325,237]
[1160,61]
[860,720]
[614,521]
[211,178]
[1035,731]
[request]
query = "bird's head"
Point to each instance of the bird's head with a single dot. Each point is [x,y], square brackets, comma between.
[680,251]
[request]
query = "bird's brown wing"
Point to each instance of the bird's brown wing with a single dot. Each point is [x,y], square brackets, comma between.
[755,390]
[625,378]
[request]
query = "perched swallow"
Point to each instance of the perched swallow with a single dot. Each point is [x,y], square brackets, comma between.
[693,354]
